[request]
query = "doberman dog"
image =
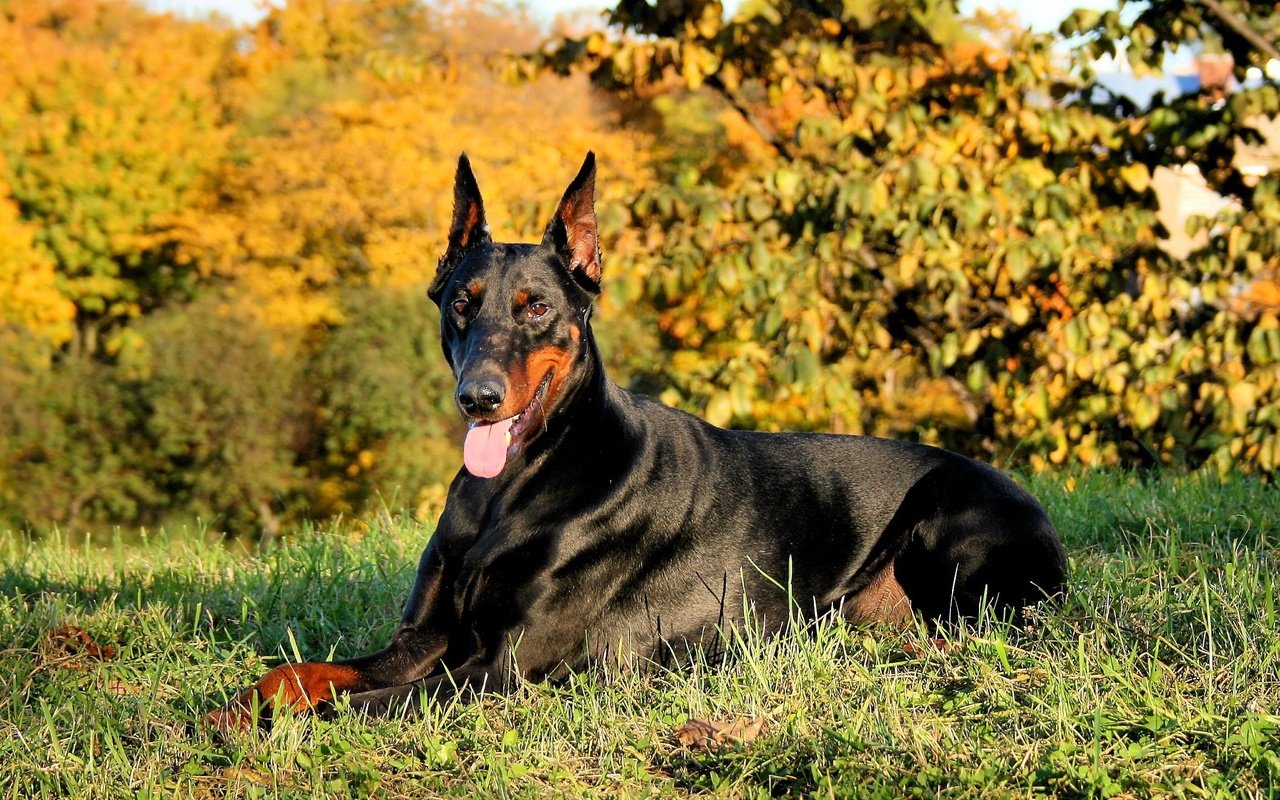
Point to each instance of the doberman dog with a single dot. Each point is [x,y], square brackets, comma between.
[590,524]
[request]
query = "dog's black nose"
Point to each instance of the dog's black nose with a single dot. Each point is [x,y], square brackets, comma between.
[480,395]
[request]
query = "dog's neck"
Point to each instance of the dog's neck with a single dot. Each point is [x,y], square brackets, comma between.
[590,402]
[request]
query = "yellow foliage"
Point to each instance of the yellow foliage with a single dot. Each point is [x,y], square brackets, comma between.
[358,190]
[29,295]
[109,121]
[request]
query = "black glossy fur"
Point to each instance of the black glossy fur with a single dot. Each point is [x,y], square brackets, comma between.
[623,528]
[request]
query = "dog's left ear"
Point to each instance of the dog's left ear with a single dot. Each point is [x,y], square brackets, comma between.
[572,230]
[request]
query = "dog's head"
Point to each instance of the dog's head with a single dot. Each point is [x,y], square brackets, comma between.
[513,317]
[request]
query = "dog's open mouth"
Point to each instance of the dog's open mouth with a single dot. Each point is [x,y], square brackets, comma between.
[489,444]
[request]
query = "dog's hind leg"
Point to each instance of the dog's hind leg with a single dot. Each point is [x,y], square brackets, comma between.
[956,566]
[983,542]
[882,600]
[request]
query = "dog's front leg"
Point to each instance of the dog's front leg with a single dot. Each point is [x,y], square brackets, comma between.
[414,652]
[464,683]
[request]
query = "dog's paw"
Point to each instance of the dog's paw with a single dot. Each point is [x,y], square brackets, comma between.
[235,717]
[298,688]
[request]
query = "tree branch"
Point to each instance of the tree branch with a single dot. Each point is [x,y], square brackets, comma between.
[1241,27]
[768,135]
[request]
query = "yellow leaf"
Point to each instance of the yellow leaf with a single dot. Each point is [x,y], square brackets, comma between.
[907,266]
[1145,411]
[1243,396]
[1137,176]
[719,409]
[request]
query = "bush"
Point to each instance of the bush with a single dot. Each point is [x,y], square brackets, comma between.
[70,454]
[219,405]
[203,412]
[385,430]
[947,237]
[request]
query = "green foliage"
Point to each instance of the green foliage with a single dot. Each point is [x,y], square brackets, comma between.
[222,440]
[205,413]
[385,427]
[198,416]
[69,449]
[952,238]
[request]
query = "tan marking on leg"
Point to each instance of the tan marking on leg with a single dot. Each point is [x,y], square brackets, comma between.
[300,687]
[883,600]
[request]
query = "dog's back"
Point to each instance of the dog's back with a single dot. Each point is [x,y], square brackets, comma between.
[825,516]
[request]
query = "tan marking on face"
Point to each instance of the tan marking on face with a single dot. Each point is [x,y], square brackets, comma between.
[544,360]
[520,299]
[575,333]
[526,377]
[475,287]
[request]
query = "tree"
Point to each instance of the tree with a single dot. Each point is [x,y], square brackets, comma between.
[1201,336]
[354,190]
[108,123]
[952,240]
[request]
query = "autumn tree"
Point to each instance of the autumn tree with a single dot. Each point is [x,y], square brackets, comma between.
[355,189]
[108,123]
[949,238]
[1199,339]
[30,303]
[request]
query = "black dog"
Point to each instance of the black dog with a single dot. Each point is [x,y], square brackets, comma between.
[590,523]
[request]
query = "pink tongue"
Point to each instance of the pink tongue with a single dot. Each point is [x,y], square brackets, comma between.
[485,450]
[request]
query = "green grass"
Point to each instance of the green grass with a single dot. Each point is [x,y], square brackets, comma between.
[1158,676]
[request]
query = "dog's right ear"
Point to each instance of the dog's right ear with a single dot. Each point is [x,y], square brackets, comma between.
[468,230]
[573,231]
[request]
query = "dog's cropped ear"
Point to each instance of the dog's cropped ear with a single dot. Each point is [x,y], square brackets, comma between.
[572,230]
[468,229]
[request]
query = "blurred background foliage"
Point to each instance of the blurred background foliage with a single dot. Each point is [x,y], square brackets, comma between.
[860,216]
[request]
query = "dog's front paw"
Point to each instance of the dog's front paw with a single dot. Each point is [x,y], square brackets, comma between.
[296,687]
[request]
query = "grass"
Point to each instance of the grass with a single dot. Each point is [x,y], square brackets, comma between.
[1159,676]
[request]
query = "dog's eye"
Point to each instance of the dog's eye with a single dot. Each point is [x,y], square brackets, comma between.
[538,309]
[460,306]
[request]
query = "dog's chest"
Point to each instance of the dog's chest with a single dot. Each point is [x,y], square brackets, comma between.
[494,573]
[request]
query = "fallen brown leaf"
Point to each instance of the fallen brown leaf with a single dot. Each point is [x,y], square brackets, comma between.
[247,775]
[121,688]
[69,642]
[709,736]
[916,651]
